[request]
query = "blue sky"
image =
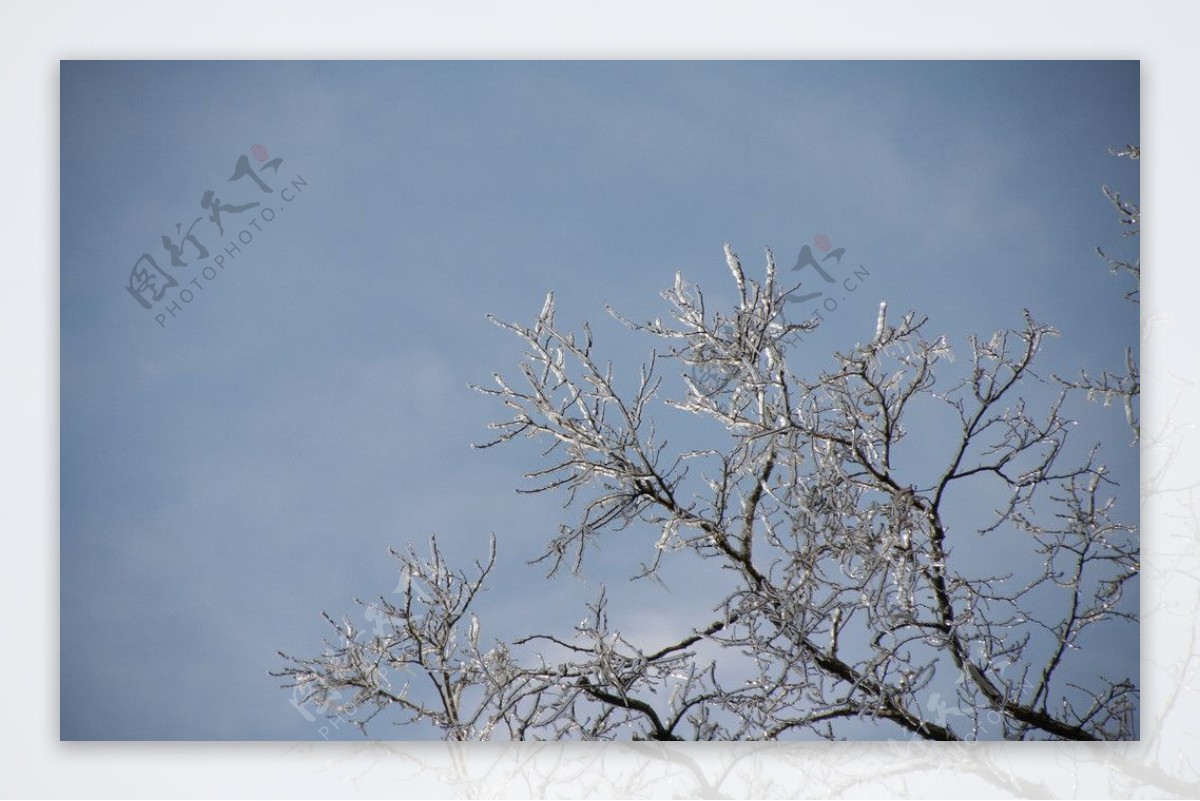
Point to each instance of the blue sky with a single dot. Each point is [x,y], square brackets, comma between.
[227,476]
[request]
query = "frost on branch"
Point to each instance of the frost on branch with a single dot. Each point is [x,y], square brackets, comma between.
[1109,387]
[911,541]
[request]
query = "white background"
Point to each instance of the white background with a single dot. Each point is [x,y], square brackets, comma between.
[35,38]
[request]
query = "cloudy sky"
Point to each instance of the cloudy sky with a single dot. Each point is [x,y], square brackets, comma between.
[242,454]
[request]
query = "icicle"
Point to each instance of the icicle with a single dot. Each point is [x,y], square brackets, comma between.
[735,267]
